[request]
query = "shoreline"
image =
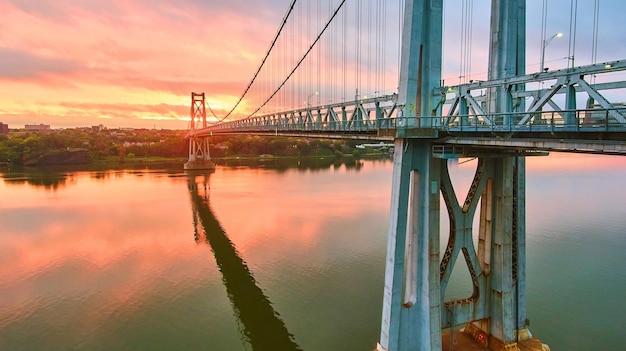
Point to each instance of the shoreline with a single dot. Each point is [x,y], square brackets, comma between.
[141,162]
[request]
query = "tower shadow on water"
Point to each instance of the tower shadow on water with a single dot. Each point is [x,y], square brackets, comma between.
[263,328]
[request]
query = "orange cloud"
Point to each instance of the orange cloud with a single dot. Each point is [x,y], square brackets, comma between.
[145,53]
[59,57]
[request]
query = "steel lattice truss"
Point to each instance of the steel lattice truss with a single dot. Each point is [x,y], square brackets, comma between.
[466,108]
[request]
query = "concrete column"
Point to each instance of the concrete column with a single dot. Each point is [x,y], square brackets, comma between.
[502,254]
[502,291]
[411,306]
[507,55]
[420,62]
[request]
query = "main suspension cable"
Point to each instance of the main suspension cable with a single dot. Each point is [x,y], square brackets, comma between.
[282,25]
[301,59]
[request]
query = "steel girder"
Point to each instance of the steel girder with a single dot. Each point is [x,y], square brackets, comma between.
[469,101]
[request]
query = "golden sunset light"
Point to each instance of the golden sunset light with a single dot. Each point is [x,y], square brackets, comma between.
[125,63]
[135,63]
[294,175]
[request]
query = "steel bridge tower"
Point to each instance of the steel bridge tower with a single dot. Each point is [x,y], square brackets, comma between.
[199,156]
[415,313]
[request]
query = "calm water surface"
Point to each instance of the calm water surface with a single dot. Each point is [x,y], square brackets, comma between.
[276,257]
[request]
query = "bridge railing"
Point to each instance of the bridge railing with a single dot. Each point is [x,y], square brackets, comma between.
[580,120]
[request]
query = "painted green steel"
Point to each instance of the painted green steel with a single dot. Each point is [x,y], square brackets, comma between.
[411,303]
[506,284]
[463,108]
[460,240]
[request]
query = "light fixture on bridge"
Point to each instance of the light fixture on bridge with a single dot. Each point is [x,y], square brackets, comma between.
[308,99]
[543,48]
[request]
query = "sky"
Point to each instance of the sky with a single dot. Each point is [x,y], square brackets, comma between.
[134,63]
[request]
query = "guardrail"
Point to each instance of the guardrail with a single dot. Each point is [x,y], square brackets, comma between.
[582,120]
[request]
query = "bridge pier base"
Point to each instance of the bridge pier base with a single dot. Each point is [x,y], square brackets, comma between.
[199,156]
[415,311]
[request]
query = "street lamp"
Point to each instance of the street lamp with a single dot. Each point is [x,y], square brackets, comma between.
[543,48]
[308,99]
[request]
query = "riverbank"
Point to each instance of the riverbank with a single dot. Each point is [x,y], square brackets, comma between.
[176,163]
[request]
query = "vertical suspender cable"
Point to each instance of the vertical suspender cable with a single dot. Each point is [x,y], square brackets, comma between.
[281,70]
[594,43]
[344,44]
[572,33]
[291,89]
[443,37]
[329,61]
[466,33]
[378,30]
[299,81]
[319,56]
[269,51]
[304,56]
[544,19]
[369,47]
[470,34]
[462,41]
[358,49]
[400,25]
[308,38]
[376,50]
[383,37]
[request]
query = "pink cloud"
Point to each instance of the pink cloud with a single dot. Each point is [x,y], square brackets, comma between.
[212,46]
[138,46]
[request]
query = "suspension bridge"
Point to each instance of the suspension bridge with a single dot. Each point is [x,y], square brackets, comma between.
[322,53]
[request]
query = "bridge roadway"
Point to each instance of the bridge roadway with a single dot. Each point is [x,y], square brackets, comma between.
[599,137]
[464,125]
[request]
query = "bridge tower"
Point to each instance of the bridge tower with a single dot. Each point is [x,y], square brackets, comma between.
[415,313]
[199,156]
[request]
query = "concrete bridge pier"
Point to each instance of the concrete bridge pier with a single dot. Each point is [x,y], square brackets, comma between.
[415,312]
[199,156]
[411,318]
[494,316]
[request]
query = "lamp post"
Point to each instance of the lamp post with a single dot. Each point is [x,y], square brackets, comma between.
[543,48]
[308,99]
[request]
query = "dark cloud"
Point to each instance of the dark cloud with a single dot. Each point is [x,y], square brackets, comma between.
[20,65]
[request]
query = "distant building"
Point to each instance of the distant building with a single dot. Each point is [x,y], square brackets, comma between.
[4,128]
[37,127]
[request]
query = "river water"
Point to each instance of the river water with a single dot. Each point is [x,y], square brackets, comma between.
[276,256]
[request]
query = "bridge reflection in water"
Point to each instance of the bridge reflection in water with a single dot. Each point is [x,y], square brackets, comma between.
[262,325]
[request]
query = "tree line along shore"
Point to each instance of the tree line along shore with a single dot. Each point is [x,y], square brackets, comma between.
[84,146]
